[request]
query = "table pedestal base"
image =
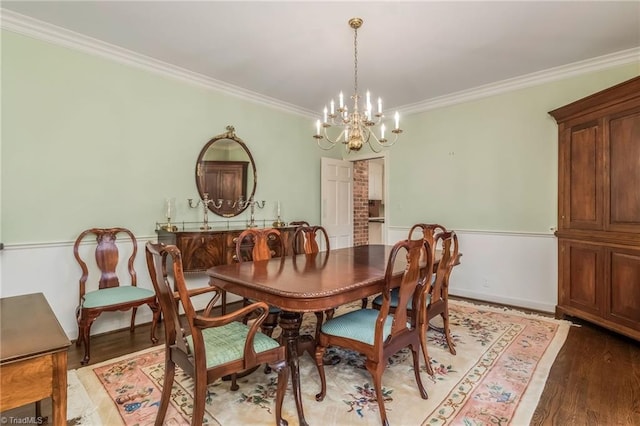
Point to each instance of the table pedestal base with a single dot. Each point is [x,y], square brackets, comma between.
[290,324]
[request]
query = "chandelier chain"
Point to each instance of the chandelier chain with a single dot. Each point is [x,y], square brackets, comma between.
[355,64]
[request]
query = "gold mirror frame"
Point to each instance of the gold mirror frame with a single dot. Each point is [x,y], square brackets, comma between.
[225,171]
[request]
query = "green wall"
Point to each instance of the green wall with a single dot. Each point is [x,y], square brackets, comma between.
[488,164]
[90,142]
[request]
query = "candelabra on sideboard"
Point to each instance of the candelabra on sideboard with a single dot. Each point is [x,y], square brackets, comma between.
[205,202]
[252,204]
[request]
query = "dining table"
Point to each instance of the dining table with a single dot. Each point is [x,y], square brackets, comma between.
[307,283]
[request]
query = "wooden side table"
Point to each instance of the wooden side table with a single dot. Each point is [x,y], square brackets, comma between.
[33,355]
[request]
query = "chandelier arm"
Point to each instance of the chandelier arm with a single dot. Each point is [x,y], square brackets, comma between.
[337,138]
[324,147]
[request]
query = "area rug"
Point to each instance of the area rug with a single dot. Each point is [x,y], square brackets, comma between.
[502,362]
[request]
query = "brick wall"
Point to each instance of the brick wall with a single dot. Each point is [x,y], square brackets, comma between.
[360,202]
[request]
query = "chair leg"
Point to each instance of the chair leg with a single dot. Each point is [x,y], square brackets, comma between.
[415,352]
[320,365]
[84,332]
[283,378]
[80,333]
[425,352]
[132,327]
[447,330]
[329,314]
[199,395]
[234,382]
[319,320]
[376,370]
[154,322]
[169,372]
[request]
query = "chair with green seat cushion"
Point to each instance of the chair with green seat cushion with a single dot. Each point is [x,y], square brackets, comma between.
[109,295]
[378,334]
[436,299]
[204,346]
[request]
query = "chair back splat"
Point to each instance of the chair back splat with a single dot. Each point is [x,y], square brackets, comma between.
[259,244]
[378,334]
[207,347]
[305,241]
[308,236]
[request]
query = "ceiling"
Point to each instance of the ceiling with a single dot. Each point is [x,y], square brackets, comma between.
[300,53]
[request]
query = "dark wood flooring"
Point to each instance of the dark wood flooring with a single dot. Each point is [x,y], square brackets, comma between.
[595,380]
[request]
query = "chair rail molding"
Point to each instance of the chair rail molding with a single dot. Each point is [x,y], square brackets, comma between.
[507,267]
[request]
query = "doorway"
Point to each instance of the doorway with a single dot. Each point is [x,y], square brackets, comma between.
[370,196]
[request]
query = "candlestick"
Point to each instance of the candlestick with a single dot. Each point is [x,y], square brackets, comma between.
[205,202]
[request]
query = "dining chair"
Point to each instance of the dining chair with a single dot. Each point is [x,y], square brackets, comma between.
[255,244]
[378,334]
[206,347]
[438,302]
[436,297]
[106,271]
[307,238]
[435,300]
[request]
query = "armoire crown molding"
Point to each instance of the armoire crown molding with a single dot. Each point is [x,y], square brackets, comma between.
[25,25]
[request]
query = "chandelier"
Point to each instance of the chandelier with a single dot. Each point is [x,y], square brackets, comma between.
[357,126]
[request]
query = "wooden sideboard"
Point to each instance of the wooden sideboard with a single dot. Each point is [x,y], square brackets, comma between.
[204,249]
[599,208]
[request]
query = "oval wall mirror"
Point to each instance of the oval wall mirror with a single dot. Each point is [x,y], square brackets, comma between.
[225,174]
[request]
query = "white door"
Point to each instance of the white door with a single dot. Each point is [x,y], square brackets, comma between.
[336,187]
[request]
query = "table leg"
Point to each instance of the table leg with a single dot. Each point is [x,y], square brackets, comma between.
[59,394]
[290,324]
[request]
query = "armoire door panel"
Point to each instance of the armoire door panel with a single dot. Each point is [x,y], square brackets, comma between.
[585,184]
[624,169]
[624,278]
[583,273]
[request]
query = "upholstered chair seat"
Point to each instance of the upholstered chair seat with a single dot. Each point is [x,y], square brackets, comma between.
[357,325]
[226,343]
[115,296]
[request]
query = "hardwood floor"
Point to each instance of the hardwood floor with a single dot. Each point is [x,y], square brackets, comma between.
[595,380]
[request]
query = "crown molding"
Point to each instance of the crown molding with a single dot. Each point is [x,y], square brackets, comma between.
[25,25]
[21,24]
[612,60]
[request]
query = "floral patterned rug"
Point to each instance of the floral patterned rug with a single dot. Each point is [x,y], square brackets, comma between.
[502,362]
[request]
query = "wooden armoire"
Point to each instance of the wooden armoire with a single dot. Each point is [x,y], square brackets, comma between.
[599,208]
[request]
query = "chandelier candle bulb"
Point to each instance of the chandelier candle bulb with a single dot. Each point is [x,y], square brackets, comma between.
[341,100]
[379,105]
[325,114]
[382,131]
[397,117]
[332,107]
